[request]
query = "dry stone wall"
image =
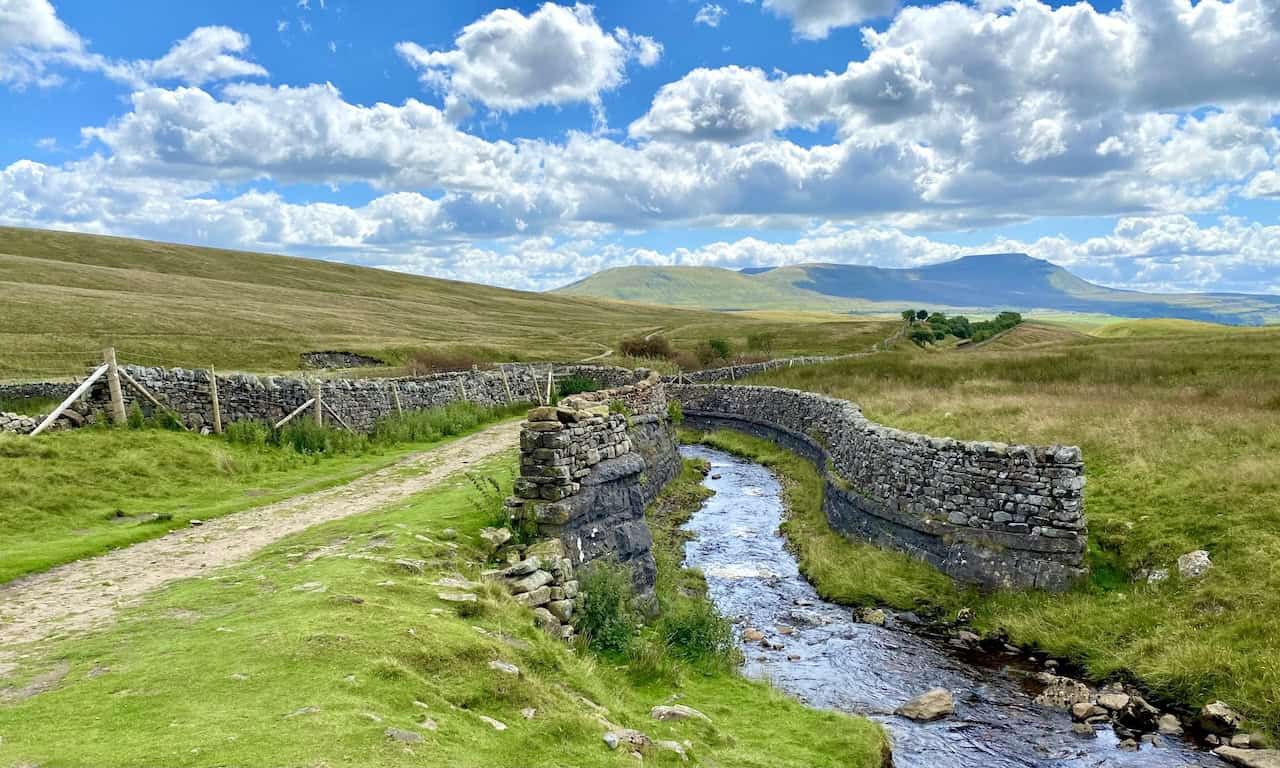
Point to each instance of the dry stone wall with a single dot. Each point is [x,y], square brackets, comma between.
[360,402]
[986,513]
[586,475]
[730,373]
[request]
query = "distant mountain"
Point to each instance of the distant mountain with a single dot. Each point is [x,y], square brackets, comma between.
[980,283]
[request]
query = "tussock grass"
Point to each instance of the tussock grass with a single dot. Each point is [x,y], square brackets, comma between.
[1181,440]
[254,665]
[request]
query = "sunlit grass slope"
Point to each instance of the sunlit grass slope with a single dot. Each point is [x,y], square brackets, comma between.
[64,296]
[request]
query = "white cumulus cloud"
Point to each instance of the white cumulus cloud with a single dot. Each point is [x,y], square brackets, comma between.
[710,14]
[814,19]
[508,61]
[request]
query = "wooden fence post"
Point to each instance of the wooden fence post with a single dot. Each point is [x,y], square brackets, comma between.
[550,381]
[462,390]
[505,384]
[113,380]
[315,395]
[71,398]
[395,394]
[217,407]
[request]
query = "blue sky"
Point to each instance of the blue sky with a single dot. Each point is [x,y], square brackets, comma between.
[530,144]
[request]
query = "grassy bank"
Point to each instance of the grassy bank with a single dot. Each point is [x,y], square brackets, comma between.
[310,652]
[68,495]
[1181,438]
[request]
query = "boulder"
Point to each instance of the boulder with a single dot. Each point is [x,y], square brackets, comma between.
[539,596]
[874,616]
[523,568]
[561,609]
[1216,717]
[403,736]
[1063,693]
[546,621]
[547,551]
[1083,710]
[1195,564]
[1250,758]
[1113,701]
[495,538]
[933,704]
[504,667]
[625,737]
[531,582]
[1169,725]
[676,712]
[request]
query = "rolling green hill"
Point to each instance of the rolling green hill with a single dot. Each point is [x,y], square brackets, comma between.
[65,296]
[972,284]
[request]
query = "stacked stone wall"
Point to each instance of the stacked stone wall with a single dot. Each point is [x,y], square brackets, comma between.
[44,390]
[986,513]
[360,402]
[587,475]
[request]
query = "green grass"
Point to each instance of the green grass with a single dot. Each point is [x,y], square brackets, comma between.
[1181,440]
[65,296]
[208,670]
[68,495]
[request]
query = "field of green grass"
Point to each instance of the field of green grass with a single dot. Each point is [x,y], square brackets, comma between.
[1181,440]
[101,488]
[64,296]
[288,660]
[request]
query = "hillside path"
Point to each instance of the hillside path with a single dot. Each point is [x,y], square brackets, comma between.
[86,593]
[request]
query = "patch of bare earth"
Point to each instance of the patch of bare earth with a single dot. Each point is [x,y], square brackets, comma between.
[86,593]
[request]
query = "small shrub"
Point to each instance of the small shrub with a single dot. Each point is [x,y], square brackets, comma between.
[167,420]
[639,346]
[675,412]
[136,419]
[576,384]
[695,632]
[307,437]
[605,616]
[617,406]
[253,433]
[489,499]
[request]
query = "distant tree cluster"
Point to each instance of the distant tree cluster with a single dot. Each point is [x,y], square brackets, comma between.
[927,327]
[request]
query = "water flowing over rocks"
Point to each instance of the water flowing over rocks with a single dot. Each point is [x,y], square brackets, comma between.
[841,663]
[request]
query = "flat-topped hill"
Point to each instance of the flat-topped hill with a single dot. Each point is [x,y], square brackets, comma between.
[974,284]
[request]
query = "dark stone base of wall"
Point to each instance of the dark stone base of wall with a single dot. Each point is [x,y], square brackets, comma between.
[987,559]
[606,516]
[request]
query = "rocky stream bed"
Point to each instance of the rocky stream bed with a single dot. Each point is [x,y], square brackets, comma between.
[982,707]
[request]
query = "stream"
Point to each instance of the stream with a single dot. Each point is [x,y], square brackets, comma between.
[831,661]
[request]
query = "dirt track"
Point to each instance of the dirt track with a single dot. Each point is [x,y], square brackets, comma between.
[86,593]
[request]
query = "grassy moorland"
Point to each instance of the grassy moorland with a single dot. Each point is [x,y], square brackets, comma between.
[1181,437]
[289,660]
[101,487]
[64,296]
